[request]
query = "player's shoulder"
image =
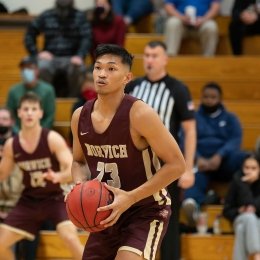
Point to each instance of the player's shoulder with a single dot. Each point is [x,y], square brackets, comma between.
[9,142]
[54,137]
[140,110]
[76,113]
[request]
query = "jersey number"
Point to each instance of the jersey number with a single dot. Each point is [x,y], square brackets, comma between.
[112,169]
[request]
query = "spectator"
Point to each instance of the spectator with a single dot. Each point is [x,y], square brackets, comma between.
[171,99]
[11,188]
[67,40]
[218,154]
[132,10]
[244,21]
[242,208]
[87,92]
[45,162]
[3,9]
[106,26]
[191,19]
[31,82]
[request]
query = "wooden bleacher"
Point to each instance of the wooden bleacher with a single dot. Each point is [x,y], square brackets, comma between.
[238,76]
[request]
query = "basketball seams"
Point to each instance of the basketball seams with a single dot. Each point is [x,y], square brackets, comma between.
[70,213]
[83,208]
[99,201]
[83,203]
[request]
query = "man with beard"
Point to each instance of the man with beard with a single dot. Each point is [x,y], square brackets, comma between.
[67,40]
[218,154]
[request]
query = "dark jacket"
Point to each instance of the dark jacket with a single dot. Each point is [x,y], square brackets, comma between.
[241,194]
[68,37]
[218,133]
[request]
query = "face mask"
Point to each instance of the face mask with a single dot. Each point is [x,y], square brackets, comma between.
[4,129]
[28,75]
[211,109]
[99,10]
[89,94]
[63,7]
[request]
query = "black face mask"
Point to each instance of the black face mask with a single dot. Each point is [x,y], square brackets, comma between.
[211,109]
[63,8]
[4,129]
[99,10]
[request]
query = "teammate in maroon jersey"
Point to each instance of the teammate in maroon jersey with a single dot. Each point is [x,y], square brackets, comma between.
[45,161]
[119,139]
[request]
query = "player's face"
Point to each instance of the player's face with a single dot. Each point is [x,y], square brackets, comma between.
[251,169]
[210,97]
[110,74]
[155,60]
[30,113]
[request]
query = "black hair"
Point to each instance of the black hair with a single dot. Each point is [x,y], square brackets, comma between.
[154,44]
[31,97]
[103,49]
[213,85]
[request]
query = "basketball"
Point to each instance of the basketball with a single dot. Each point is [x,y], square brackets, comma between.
[82,204]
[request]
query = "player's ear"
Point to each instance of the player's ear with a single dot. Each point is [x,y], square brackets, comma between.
[128,77]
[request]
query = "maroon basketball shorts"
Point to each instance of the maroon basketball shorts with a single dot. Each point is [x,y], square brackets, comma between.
[28,215]
[140,230]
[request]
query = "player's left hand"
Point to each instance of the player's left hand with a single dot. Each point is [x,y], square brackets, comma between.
[187,179]
[122,201]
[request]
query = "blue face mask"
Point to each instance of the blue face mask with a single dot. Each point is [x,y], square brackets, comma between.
[28,75]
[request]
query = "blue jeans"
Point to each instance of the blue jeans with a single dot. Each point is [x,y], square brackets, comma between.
[228,167]
[135,9]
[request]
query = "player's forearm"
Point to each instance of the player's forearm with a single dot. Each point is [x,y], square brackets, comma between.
[65,176]
[79,172]
[190,148]
[165,176]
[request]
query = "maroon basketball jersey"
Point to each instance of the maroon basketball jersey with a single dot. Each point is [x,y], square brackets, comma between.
[112,156]
[33,165]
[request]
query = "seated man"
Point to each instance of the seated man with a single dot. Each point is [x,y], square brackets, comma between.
[218,154]
[67,39]
[31,82]
[189,20]
[245,21]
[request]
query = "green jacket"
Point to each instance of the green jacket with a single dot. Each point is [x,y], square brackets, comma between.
[47,94]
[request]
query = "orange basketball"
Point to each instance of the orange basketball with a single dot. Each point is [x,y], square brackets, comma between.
[82,204]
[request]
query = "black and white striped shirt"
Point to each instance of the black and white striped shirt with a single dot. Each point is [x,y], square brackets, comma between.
[169,97]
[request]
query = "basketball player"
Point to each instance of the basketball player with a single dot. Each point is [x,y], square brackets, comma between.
[119,139]
[171,99]
[45,161]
